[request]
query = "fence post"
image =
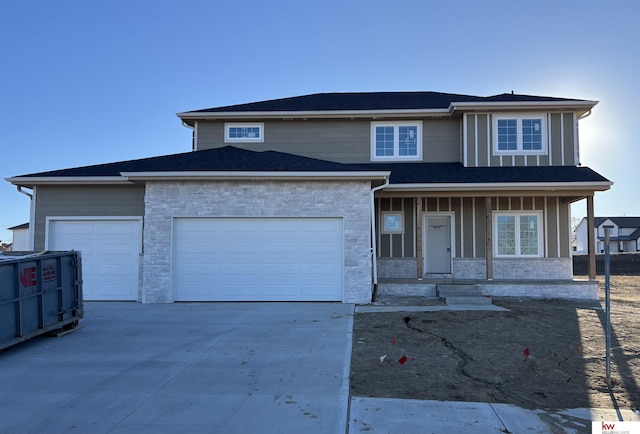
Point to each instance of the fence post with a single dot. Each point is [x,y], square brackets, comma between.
[607,298]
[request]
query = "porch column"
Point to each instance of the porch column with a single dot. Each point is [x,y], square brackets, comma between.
[419,255]
[489,240]
[591,243]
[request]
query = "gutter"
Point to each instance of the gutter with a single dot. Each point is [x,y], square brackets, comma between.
[374,247]
[29,181]
[507,186]
[312,114]
[254,175]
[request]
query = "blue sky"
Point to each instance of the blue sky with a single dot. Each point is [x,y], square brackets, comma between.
[87,82]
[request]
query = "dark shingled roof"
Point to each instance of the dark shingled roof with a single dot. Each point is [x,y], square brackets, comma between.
[418,173]
[622,222]
[22,226]
[227,158]
[232,159]
[373,101]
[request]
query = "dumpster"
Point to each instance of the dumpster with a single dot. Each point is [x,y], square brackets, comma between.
[39,292]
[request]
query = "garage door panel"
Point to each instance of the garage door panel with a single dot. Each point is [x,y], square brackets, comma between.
[257,259]
[115,270]
[110,254]
[113,291]
[117,228]
[116,249]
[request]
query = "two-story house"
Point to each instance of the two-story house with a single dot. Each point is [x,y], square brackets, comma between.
[624,235]
[326,196]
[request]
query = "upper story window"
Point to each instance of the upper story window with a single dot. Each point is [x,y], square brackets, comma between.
[244,132]
[396,140]
[521,134]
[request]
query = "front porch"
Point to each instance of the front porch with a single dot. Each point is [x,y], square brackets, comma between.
[504,245]
[429,288]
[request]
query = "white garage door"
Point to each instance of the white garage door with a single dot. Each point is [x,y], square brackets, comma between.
[260,259]
[110,254]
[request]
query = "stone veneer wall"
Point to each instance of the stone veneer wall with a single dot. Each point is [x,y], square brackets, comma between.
[397,268]
[164,200]
[582,290]
[514,268]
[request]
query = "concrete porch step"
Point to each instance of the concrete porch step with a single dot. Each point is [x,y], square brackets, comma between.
[456,290]
[455,294]
[451,301]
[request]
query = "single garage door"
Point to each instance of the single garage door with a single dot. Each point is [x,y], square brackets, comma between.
[259,259]
[110,254]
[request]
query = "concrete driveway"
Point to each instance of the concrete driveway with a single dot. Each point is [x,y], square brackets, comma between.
[197,368]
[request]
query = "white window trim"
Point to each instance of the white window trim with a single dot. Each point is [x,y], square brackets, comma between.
[517,214]
[228,126]
[519,117]
[396,148]
[384,228]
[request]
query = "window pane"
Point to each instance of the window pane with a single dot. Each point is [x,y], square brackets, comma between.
[532,134]
[506,235]
[384,141]
[529,235]
[408,136]
[244,132]
[507,134]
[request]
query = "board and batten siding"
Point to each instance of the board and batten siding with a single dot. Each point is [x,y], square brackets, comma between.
[469,223]
[342,141]
[562,143]
[67,201]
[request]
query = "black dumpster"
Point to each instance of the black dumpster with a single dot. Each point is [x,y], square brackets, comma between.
[39,292]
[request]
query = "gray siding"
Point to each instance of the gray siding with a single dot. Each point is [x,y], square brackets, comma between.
[91,200]
[478,140]
[344,141]
[570,140]
[470,223]
[397,245]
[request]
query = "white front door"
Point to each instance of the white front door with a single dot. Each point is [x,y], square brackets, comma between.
[437,243]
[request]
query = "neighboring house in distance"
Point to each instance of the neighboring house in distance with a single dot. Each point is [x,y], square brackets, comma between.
[20,238]
[287,199]
[624,236]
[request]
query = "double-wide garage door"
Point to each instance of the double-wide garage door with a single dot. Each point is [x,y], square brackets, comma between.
[260,259]
[110,251]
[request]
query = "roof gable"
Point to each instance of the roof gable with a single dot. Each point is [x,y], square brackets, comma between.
[621,222]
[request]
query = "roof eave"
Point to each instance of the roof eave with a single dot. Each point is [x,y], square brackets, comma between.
[503,186]
[578,106]
[321,114]
[255,175]
[30,181]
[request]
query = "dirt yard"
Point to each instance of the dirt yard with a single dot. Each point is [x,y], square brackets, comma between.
[545,354]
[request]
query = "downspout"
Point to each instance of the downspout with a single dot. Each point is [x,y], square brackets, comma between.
[585,115]
[20,190]
[193,134]
[374,247]
[32,219]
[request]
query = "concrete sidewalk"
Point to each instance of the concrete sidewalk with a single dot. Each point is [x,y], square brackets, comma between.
[408,416]
[184,368]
